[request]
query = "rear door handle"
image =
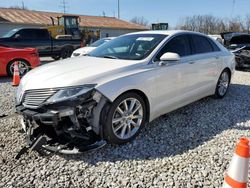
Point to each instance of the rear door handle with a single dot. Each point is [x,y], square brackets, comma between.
[191,62]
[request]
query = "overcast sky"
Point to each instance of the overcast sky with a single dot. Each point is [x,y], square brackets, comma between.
[153,10]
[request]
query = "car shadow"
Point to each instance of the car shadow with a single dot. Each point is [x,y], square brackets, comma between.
[243,69]
[179,131]
[5,79]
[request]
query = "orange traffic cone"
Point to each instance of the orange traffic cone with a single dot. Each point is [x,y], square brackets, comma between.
[237,174]
[16,76]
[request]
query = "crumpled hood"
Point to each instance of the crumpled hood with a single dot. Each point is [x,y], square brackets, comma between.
[75,71]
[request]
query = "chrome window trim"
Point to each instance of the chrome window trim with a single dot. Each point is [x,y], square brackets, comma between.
[179,34]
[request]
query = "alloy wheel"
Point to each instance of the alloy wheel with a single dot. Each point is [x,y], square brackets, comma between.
[22,66]
[223,83]
[127,118]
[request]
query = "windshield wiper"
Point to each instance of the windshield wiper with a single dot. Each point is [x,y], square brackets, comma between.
[110,57]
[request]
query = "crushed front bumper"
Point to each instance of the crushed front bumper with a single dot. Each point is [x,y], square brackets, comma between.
[61,130]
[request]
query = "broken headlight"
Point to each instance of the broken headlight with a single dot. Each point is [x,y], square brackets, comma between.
[69,93]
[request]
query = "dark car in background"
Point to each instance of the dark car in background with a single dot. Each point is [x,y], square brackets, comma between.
[40,39]
[239,44]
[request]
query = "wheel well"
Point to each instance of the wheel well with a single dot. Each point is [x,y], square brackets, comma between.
[229,71]
[145,98]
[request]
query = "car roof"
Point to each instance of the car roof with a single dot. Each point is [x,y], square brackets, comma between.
[166,32]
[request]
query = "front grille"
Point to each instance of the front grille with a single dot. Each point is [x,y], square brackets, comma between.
[34,98]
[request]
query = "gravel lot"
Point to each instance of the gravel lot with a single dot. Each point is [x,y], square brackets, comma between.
[190,147]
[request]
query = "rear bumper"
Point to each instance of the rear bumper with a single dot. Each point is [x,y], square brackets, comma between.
[34,62]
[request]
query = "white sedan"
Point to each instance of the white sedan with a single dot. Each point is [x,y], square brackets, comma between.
[85,50]
[122,85]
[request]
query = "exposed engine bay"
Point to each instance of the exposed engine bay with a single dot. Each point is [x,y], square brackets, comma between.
[242,57]
[239,44]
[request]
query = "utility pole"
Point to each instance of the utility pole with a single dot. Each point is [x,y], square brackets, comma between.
[118,9]
[64,5]
[23,7]
[232,12]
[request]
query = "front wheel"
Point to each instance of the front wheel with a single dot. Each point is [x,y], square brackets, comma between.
[66,52]
[56,57]
[222,84]
[125,118]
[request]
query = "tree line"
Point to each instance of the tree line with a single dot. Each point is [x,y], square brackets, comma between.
[209,24]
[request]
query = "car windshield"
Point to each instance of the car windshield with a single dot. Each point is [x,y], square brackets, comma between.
[132,47]
[10,33]
[99,42]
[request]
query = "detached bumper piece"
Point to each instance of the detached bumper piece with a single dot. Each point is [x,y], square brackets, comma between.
[63,130]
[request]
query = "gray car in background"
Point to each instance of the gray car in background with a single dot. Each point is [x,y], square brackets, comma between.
[86,50]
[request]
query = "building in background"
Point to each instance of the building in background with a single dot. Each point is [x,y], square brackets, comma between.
[104,26]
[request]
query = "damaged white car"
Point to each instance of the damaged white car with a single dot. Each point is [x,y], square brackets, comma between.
[119,87]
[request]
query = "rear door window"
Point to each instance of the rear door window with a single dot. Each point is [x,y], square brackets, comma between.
[215,47]
[41,34]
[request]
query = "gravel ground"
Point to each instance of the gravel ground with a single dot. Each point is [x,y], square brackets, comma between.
[190,147]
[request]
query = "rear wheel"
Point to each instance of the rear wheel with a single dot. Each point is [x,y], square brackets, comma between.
[66,52]
[23,66]
[56,57]
[222,84]
[125,118]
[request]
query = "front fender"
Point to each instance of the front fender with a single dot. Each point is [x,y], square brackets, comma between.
[143,81]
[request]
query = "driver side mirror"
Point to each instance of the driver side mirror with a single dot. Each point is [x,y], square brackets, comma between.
[17,36]
[169,57]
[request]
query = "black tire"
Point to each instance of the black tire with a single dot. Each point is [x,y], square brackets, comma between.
[220,92]
[9,68]
[66,52]
[56,57]
[108,129]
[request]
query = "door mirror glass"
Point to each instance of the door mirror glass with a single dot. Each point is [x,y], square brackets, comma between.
[169,57]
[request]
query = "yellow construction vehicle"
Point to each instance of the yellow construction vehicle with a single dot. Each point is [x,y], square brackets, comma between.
[66,26]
